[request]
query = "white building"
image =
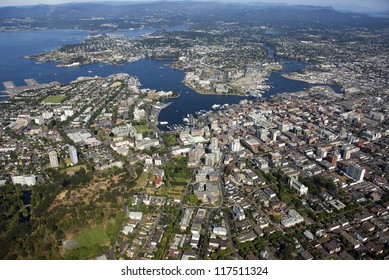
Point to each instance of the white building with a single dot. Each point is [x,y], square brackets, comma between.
[236,146]
[53,159]
[298,186]
[222,231]
[73,155]
[135,215]
[39,120]
[239,212]
[293,219]
[24,180]
[47,115]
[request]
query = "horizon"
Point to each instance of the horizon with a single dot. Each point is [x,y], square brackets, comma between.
[359,6]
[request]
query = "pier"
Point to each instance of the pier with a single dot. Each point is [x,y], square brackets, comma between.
[11,89]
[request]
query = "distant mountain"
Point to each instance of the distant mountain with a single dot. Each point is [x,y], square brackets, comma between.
[126,15]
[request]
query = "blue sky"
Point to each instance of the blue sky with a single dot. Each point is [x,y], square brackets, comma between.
[371,5]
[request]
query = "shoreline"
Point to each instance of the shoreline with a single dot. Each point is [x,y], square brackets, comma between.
[211,93]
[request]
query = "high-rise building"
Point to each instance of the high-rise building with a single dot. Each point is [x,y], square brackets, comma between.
[355,171]
[321,152]
[262,134]
[235,145]
[348,150]
[274,135]
[53,159]
[332,159]
[214,143]
[73,155]
[209,159]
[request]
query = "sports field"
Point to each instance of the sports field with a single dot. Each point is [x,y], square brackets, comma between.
[55,99]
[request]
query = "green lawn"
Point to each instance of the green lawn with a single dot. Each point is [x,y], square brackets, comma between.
[142,128]
[95,235]
[142,180]
[57,99]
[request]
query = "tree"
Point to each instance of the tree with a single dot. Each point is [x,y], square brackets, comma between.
[192,199]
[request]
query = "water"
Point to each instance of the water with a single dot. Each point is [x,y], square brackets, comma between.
[153,74]
[15,45]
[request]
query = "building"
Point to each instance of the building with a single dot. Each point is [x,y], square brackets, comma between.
[353,241]
[332,159]
[239,212]
[262,134]
[355,171]
[24,180]
[222,231]
[209,159]
[53,159]
[73,155]
[235,145]
[146,143]
[246,236]
[208,192]
[39,120]
[348,150]
[251,143]
[156,238]
[274,134]
[47,115]
[186,219]
[321,152]
[269,193]
[135,215]
[298,186]
[293,219]
[332,247]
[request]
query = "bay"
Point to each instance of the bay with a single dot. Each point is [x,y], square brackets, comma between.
[153,74]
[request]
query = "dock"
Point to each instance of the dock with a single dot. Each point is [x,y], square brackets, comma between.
[12,90]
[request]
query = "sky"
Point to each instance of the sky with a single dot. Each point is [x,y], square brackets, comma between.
[358,5]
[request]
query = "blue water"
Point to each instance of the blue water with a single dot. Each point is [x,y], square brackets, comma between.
[152,74]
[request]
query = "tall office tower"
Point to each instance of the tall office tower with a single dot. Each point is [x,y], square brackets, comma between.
[73,155]
[355,171]
[53,159]
[262,134]
[274,134]
[235,145]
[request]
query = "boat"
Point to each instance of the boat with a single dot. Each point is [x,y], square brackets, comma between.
[163,123]
[185,120]
[215,106]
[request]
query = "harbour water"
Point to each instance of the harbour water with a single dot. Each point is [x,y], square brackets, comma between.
[153,74]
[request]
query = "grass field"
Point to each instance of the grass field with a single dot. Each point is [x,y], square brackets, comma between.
[171,192]
[72,170]
[95,235]
[142,128]
[142,180]
[56,99]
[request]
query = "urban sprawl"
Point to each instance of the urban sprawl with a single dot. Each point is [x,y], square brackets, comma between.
[301,175]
